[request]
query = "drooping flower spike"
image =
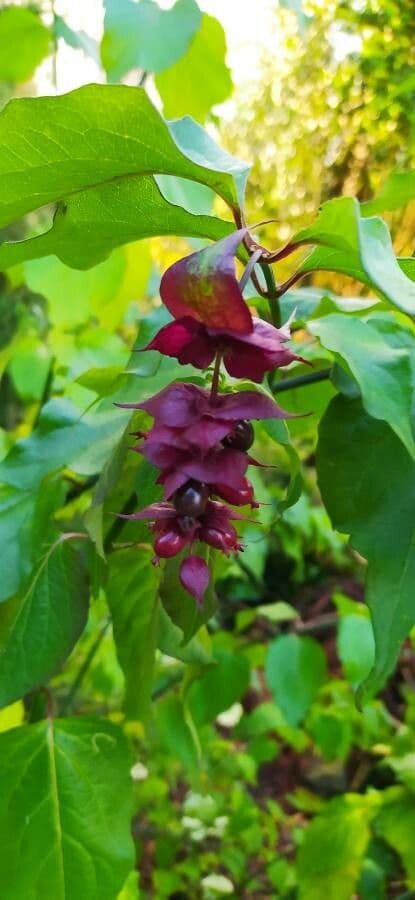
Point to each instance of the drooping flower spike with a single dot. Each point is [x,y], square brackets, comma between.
[186,420]
[175,529]
[193,439]
[211,316]
[199,440]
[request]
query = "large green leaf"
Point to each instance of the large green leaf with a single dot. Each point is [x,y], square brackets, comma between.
[92,223]
[295,669]
[367,480]
[51,147]
[66,810]
[24,42]
[132,594]
[382,370]
[144,36]
[359,247]
[332,852]
[201,78]
[40,626]
[397,191]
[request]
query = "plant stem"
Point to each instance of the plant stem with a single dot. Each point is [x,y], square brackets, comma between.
[215,380]
[302,380]
[286,285]
[68,701]
[272,295]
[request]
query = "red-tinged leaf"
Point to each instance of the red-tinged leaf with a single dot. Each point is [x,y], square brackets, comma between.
[204,286]
[194,576]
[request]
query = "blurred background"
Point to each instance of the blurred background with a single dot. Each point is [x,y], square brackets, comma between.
[259,777]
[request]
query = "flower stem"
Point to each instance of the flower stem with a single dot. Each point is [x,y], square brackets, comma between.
[272,295]
[301,380]
[215,380]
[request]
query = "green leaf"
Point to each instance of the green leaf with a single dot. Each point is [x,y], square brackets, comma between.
[16,510]
[359,247]
[170,641]
[144,36]
[201,78]
[39,627]
[367,481]
[404,768]
[92,223]
[176,732]
[331,855]
[29,368]
[382,370]
[397,191]
[193,197]
[24,42]
[91,136]
[26,526]
[277,612]
[396,824]
[266,718]
[68,781]
[129,890]
[295,669]
[78,40]
[356,647]
[132,594]
[219,687]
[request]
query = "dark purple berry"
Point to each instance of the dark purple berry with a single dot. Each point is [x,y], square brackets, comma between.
[191,499]
[241,438]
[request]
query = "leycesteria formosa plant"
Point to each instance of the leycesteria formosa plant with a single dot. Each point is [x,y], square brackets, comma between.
[200,439]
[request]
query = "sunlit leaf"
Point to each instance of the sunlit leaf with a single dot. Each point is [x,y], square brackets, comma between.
[141,35]
[91,136]
[331,855]
[359,247]
[24,43]
[201,78]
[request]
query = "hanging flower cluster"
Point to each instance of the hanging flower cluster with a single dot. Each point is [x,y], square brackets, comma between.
[200,439]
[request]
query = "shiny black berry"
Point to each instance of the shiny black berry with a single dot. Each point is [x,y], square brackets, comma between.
[241,438]
[191,499]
